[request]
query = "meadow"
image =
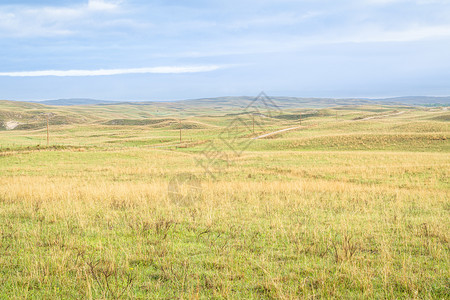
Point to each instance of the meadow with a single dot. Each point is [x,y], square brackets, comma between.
[352,204]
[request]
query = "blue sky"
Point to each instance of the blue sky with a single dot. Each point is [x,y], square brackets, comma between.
[173,49]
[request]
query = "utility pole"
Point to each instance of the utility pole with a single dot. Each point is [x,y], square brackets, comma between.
[48,138]
[253,122]
[180,130]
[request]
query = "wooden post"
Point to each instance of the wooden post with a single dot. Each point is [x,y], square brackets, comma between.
[300,118]
[48,138]
[180,131]
[253,122]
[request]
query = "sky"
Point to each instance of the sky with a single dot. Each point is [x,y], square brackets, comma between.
[171,49]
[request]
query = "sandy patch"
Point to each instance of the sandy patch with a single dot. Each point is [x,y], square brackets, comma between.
[11,125]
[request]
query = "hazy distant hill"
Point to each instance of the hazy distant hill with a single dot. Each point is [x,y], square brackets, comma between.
[296,102]
[76,101]
[242,101]
[419,100]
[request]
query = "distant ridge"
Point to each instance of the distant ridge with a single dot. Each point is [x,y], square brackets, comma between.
[76,101]
[419,100]
[282,101]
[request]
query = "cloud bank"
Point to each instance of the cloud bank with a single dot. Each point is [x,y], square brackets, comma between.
[108,72]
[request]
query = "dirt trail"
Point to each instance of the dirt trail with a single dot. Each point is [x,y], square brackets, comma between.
[276,132]
[383,116]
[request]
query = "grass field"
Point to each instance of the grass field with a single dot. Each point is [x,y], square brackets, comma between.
[352,204]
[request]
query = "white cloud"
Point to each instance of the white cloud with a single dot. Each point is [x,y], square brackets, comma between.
[385,2]
[411,34]
[288,18]
[25,21]
[105,72]
[103,5]
[292,43]
[433,1]
[381,2]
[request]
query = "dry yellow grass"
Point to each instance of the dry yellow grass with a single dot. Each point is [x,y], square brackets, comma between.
[101,224]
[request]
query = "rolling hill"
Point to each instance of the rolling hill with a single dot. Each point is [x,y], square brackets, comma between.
[284,102]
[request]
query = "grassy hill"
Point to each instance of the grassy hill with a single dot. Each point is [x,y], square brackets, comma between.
[31,115]
[338,127]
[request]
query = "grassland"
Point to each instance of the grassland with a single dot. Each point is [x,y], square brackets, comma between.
[341,208]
